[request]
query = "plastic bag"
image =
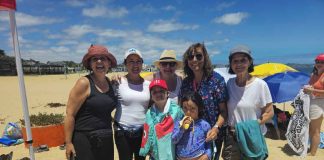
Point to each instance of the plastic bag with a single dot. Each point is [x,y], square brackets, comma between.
[12,131]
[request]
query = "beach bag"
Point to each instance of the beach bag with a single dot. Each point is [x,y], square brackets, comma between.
[12,131]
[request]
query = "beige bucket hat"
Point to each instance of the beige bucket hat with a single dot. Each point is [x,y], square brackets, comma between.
[168,56]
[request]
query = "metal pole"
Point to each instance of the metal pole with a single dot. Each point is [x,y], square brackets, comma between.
[21,82]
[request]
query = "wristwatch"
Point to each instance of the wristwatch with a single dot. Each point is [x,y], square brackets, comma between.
[216,126]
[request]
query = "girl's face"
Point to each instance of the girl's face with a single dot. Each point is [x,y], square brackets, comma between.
[190,109]
[159,94]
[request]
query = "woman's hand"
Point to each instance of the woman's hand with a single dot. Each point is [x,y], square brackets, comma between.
[69,150]
[212,134]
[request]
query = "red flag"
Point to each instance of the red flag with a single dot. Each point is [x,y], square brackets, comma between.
[7,4]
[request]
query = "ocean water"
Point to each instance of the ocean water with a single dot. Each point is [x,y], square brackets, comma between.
[307,70]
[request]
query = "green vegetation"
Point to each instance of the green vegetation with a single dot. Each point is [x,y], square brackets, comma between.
[44,119]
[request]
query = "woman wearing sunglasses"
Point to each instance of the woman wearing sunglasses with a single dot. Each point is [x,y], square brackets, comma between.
[167,65]
[316,109]
[211,86]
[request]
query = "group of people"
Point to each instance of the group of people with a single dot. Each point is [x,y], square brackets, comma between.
[167,116]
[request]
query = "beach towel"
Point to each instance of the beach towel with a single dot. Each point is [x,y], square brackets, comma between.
[297,132]
[250,140]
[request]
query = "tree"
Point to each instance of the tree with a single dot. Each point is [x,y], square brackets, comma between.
[2,53]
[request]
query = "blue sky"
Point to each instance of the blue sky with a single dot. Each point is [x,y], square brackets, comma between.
[276,31]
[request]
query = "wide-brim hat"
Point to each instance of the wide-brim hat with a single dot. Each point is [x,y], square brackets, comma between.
[98,50]
[168,56]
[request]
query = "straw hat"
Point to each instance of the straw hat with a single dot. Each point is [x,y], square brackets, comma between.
[96,50]
[168,56]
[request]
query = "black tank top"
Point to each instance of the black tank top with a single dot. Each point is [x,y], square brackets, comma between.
[95,112]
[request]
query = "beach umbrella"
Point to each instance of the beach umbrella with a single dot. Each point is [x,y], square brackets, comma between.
[10,6]
[224,72]
[286,85]
[267,69]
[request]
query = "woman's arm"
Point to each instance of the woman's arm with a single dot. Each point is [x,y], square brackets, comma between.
[78,94]
[266,113]
[213,132]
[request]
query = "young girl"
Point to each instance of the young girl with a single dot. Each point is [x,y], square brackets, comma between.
[189,134]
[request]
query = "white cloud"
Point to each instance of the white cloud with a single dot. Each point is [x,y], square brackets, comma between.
[29,20]
[144,8]
[169,25]
[77,31]
[169,8]
[231,18]
[224,5]
[75,3]
[60,49]
[101,11]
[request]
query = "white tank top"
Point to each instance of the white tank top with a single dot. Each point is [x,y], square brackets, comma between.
[134,100]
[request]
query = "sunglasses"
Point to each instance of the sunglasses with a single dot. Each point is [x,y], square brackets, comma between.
[319,62]
[198,56]
[165,64]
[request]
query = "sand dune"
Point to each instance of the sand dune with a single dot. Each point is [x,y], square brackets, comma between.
[45,89]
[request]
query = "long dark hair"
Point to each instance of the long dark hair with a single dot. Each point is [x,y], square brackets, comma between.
[196,98]
[207,68]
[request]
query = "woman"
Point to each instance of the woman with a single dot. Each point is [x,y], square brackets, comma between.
[211,86]
[159,123]
[249,99]
[130,115]
[167,65]
[316,110]
[88,132]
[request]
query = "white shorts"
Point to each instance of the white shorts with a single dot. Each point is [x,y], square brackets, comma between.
[316,108]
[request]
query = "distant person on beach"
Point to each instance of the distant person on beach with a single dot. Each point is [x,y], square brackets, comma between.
[316,109]
[88,131]
[190,132]
[159,123]
[249,107]
[211,86]
[167,65]
[133,96]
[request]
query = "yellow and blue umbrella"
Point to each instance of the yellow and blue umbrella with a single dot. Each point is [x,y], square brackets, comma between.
[286,85]
[267,69]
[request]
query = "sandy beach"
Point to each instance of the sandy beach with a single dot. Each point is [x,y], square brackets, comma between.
[45,89]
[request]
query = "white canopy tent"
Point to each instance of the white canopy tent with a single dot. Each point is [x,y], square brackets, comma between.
[10,6]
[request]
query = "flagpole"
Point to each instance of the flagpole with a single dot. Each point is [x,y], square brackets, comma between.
[20,73]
